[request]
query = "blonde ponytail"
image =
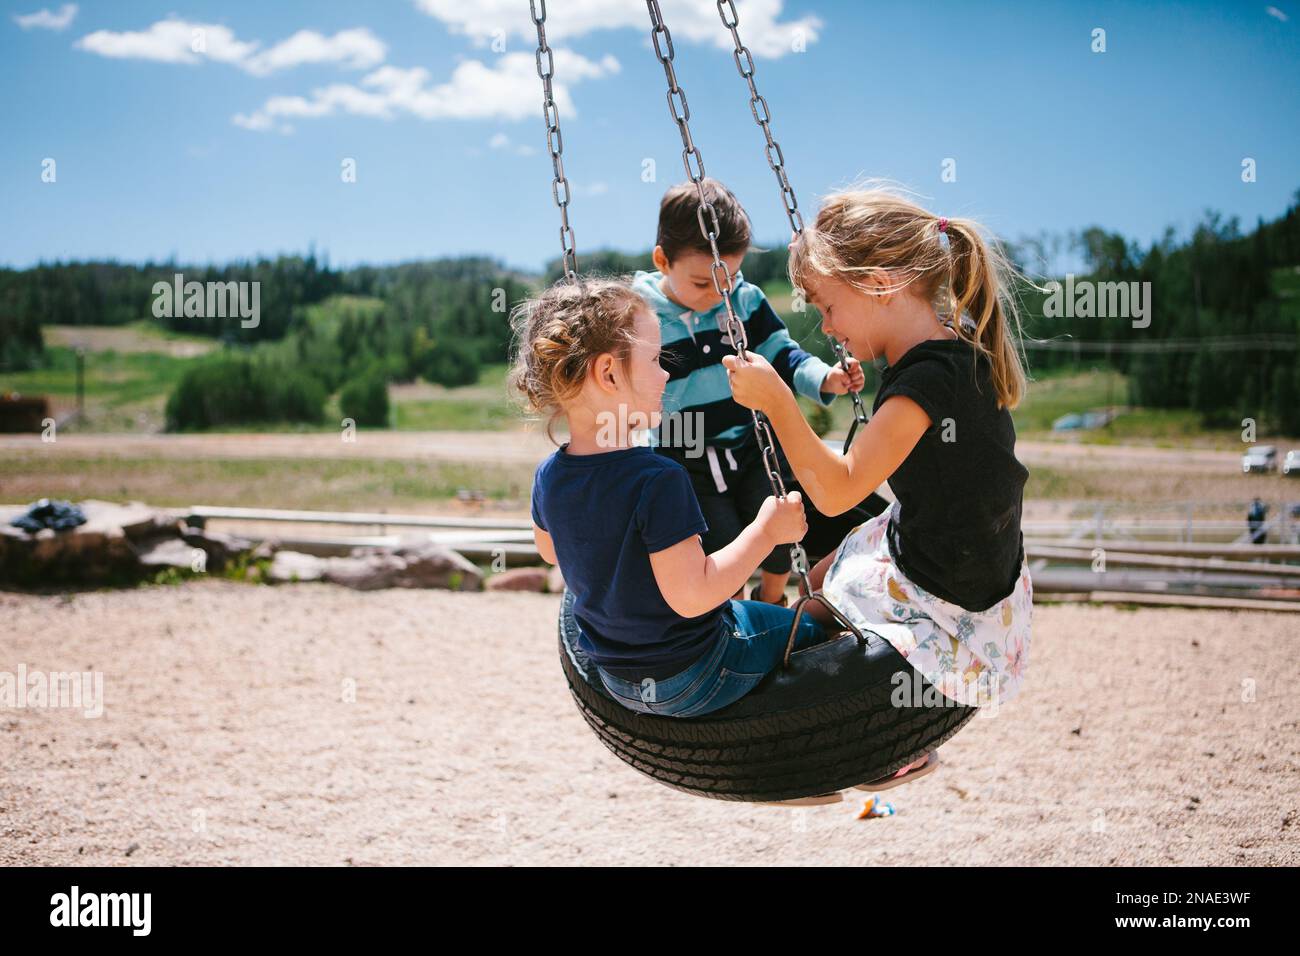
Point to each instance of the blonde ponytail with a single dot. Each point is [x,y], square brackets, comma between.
[979,286]
[863,236]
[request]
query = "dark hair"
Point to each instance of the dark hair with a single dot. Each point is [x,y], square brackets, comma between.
[679,221]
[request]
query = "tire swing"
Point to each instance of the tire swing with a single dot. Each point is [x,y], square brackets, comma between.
[828,718]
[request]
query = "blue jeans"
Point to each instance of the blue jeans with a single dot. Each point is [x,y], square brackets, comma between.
[754,644]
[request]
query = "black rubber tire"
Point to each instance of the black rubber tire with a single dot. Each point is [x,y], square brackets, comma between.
[825,724]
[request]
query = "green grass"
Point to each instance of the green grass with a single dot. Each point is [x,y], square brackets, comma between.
[1164,427]
[478,407]
[127,391]
[493,376]
[152,330]
[306,483]
[123,391]
[449,414]
[112,377]
[491,383]
[1062,392]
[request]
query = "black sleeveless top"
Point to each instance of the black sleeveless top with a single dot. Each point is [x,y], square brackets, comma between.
[960,491]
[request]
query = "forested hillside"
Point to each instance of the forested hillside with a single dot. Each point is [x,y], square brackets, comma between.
[1221,335]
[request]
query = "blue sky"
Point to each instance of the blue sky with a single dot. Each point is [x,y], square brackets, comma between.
[237,150]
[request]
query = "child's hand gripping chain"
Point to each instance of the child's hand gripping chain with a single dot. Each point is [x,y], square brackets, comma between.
[783,521]
[755,384]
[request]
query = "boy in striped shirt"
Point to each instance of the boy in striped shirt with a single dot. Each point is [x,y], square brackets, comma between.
[727,472]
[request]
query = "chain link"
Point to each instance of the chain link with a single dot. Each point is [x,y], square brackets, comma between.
[554,141]
[776,160]
[708,218]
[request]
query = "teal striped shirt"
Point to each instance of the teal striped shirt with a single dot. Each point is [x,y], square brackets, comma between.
[693,345]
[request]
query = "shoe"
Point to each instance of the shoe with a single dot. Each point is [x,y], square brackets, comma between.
[784,602]
[906,775]
[821,800]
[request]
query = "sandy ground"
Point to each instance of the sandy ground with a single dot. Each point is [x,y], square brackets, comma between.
[226,738]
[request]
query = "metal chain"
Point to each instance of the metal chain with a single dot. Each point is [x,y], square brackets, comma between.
[776,160]
[555,142]
[745,64]
[681,114]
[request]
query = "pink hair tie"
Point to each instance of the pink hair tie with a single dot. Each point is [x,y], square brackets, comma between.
[943,225]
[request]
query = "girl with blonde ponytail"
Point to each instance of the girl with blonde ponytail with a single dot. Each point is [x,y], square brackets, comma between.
[942,574]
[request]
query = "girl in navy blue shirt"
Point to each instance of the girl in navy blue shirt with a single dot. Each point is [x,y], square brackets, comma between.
[654,611]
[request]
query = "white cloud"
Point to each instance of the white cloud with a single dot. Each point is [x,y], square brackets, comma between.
[760,25]
[503,142]
[170,41]
[1276,14]
[47,20]
[180,41]
[257,122]
[357,49]
[506,89]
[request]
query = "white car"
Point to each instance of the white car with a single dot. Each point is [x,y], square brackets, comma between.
[1262,458]
[1291,464]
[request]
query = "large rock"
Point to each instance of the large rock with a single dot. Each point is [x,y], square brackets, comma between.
[136,520]
[266,549]
[96,552]
[16,545]
[119,544]
[366,573]
[220,548]
[431,565]
[518,579]
[289,566]
[369,569]
[172,553]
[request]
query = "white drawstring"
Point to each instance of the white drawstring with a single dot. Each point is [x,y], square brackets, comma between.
[716,469]
[713,467]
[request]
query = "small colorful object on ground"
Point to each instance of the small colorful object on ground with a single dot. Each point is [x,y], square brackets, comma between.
[875,807]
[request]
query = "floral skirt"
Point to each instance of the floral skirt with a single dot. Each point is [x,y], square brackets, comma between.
[972,657]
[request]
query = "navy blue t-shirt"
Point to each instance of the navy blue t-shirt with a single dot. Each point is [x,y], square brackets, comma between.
[606,514]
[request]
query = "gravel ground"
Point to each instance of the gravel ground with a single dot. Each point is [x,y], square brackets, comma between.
[229,736]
